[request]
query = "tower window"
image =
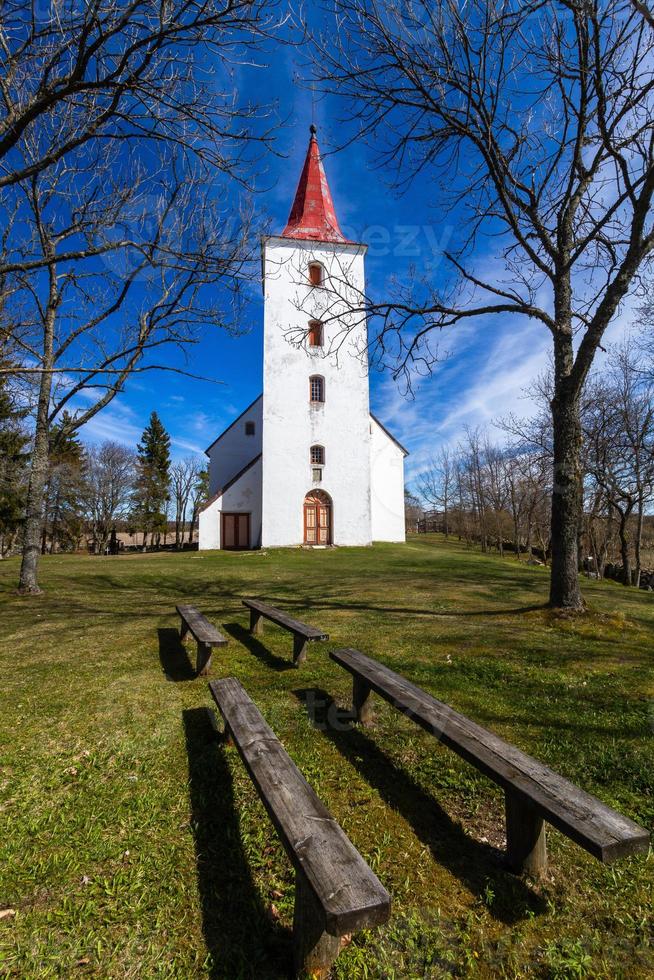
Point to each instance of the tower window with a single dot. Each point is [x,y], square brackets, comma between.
[316,274]
[315,334]
[318,455]
[249,428]
[316,388]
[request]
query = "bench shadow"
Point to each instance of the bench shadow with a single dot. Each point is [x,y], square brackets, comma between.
[479,866]
[243,942]
[255,646]
[174,659]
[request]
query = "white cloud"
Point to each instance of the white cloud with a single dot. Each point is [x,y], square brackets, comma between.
[484,378]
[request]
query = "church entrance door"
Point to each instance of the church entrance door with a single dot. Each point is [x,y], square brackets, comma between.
[317,518]
[235,532]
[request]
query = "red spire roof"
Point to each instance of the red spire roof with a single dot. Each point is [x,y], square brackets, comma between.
[312,215]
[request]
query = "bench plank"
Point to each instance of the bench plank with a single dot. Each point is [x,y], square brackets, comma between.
[348,892]
[200,627]
[286,621]
[604,832]
[303,633]
[204,633]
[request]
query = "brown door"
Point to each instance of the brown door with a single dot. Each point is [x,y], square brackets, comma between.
[317,518]
[235,532]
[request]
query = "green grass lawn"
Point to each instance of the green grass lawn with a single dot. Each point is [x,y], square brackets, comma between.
[133,843]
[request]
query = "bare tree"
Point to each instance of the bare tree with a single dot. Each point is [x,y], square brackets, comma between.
[183,479]
[199,494]
[109,480]
[135,71]
[535,121]
[435,484]
[121,146]
[619,429]
[82,333]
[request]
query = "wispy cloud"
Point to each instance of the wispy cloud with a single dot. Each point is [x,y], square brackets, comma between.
[485,377]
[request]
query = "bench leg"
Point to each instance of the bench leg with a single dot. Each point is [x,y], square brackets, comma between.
[256,621]
[299,649]
[203,660]
[314,950]
[526,848]
[361,701]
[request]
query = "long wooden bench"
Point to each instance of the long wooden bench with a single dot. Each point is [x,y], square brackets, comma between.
[302,632]
[204,633]
[335,891]
[533,792]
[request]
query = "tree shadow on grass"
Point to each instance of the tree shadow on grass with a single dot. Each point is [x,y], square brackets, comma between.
[255,646]
[173,656]
[243,942]
[307,602]
[479,866]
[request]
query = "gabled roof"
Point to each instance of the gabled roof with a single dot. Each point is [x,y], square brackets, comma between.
[312,215]
[232,424]
[389,434]
[230,483]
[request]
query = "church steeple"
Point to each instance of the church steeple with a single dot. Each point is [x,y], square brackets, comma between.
[312,215]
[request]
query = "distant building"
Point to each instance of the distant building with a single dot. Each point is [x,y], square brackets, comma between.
[307,463]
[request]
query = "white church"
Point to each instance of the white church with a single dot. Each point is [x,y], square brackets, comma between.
[307,463]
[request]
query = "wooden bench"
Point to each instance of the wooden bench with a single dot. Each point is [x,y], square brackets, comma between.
[302,633]
[533,792]
[204,633]
[335,891]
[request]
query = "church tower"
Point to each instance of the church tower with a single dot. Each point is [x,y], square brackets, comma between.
[307,463]
[316,424]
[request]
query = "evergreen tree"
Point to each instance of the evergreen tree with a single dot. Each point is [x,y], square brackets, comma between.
[64,490]
[153,479]
[14,441]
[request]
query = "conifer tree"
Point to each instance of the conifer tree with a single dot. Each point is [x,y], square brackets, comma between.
[64,490]
[152,483]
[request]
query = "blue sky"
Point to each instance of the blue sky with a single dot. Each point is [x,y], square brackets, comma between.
[486,366]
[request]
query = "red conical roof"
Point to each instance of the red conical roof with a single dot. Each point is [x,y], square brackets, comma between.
[312,215]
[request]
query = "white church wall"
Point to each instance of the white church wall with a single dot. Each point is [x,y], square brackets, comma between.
[243,497]
[209,527]
[234,450]
[387,486]
[291,424]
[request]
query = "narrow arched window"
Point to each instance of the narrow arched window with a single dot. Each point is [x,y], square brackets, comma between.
[316,389]
[318,455]
[316,274]
[315,333]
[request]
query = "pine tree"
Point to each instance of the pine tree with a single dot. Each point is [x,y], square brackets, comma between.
[64,490]
[14,441]
[153,480]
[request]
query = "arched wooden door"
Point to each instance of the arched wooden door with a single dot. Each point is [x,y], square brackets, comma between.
[317,518]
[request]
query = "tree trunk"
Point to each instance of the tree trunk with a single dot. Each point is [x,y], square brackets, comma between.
[567,500]
[624,546]
[638,542]
[28,584]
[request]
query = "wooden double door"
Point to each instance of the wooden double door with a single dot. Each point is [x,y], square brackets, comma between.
[317,518]
[235,532]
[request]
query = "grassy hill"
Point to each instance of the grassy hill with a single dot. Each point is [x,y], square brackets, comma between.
[134,845]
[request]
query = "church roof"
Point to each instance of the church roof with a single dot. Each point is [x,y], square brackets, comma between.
[313,216]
